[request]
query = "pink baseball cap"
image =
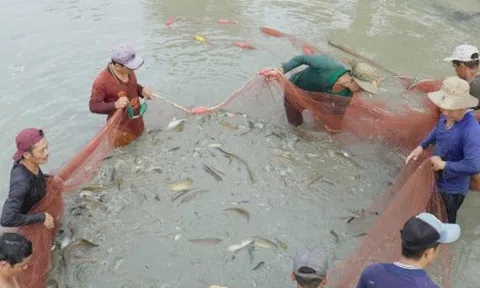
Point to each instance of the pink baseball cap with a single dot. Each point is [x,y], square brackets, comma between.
[26,139]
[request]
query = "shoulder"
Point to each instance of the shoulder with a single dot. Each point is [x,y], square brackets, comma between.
[373,269]
[101,78]
[19,174]
[471,121]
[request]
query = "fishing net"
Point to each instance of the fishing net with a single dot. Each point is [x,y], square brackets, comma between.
[401,124]
[118,131]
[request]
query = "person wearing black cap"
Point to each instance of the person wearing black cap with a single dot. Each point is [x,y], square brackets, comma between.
[421,235]
[27,181]
[310,268]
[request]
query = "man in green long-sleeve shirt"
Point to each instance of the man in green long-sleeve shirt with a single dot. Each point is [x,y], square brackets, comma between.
[326,75]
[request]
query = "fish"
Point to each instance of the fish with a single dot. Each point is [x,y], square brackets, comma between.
[216,286]
[360,235]
[240,211]
[280,135]
[178,195]
[214,145]
[169,21]
[239,202]
[206,241]
[173,149]
[236,247]
[66,255]
[192,195]
[251,255]
[259,265]
[200,38]
[282,244]
[244,45]
[319,177]
[176,124]
[346,155]
[335,236]
[228,125]
[180,185]
[350,219]
[230,155]
[226,21]
[263,243]
[101,187]
[212,173]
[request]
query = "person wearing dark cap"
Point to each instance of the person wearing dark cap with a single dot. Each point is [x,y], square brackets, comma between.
[310,268]
[421,236]
[15,254]
[27,181]
[116,87]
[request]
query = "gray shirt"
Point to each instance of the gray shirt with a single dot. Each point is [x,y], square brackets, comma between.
[475,88]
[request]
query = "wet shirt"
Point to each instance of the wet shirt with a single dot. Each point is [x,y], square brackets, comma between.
[26,190]
[394,275]
[459,146]
[106,90]
[320,75]
[475,89]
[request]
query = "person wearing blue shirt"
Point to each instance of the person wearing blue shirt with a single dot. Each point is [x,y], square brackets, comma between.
[456,140]
[421,237]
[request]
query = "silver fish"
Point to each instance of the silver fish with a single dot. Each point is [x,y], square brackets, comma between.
[236,247]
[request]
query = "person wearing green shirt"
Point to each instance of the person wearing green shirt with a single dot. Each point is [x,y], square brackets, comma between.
[323,74]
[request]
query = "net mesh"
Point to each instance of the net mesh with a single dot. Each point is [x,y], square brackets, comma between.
[401,125]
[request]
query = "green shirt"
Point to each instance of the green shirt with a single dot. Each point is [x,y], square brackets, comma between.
[320,75]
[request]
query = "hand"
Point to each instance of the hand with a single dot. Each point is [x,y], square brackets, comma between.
[49,223]
[415,154]
[272,73]
[147,93]
[122,102]
[437,163]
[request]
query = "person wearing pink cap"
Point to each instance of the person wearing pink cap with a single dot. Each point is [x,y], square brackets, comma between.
[116,87]
[27,181]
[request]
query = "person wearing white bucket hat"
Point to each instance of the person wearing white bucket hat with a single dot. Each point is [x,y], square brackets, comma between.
[465,60]
[456,140]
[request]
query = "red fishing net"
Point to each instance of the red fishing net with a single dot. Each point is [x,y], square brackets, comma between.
[401,126]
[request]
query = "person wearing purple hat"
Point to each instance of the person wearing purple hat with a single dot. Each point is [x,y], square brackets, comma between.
[116,87]
[310,268]
[27,181]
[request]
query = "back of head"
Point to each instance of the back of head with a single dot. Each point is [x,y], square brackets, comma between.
[14,248]
[425,231]
[310,268]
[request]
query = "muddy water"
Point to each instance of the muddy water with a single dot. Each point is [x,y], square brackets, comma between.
[143,235]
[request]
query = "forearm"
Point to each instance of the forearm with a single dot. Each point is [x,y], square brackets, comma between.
[101,107]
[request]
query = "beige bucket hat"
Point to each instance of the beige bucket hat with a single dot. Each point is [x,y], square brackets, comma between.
[365,76]
[454,94]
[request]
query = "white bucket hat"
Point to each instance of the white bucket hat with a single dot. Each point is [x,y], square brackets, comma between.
[454,94]
[464,53]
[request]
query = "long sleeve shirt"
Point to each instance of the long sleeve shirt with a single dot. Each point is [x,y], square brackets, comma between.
[459,146]
[26,190]
[106,90]
[320,75]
